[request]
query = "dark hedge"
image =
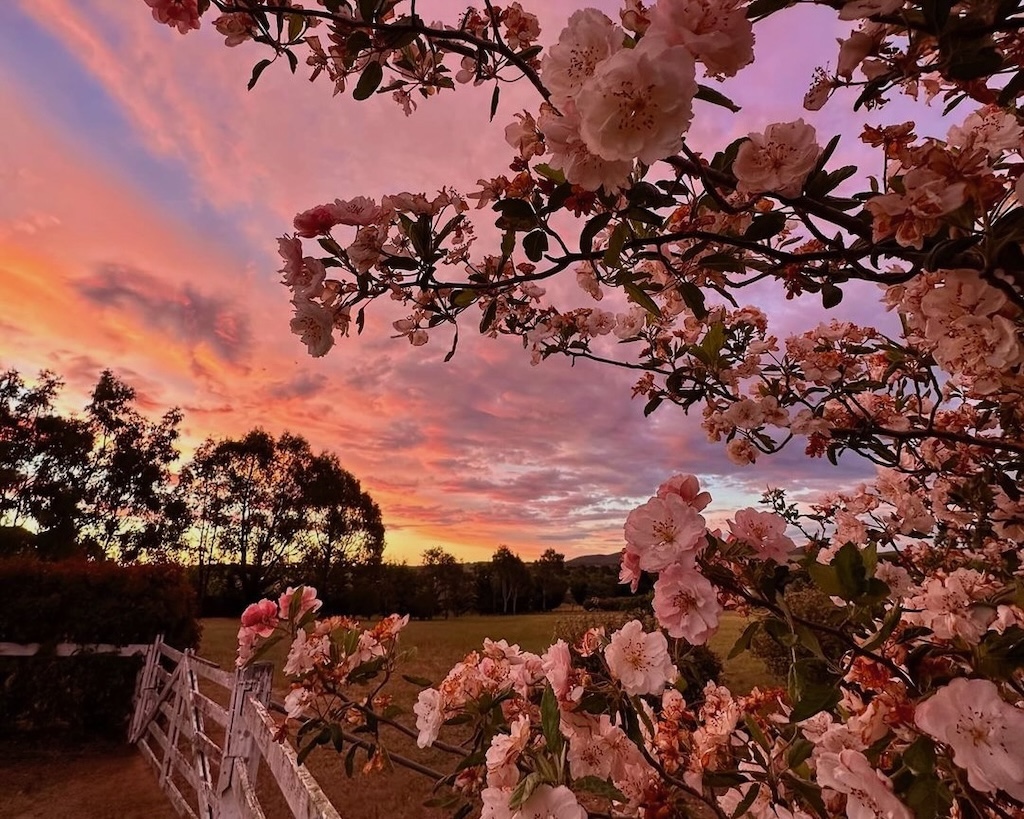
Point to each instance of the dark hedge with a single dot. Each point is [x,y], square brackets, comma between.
[84,602]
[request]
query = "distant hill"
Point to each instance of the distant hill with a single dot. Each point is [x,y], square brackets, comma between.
[595,560]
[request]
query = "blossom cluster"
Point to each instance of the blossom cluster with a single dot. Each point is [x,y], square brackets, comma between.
[904,697]
[609,707]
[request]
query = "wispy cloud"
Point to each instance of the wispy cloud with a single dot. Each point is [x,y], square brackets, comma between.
[187,315]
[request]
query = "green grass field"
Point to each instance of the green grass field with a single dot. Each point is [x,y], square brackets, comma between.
[434,647]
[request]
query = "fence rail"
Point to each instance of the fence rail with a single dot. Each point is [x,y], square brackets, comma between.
[207,756]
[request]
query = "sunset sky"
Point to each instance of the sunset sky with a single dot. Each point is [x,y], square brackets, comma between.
[142,189]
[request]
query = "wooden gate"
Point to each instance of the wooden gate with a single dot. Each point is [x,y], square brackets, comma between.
[207,756]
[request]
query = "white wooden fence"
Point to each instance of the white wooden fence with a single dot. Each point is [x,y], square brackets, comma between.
[207,756]
[176,726]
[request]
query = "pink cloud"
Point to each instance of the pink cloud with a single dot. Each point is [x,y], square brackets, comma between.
[481,451]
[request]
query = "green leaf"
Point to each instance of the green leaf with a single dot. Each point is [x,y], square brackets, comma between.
[488,317]
[535,244]
[421,682]
[756,733]
[524,790]
[892,619]
[971,60]
[713,341]
[715,98]
[1012,89]
[549,719]
[652,405]
[813,699]
[850,572]
[494,100]
[743,642]
[920,756]
[763,8]
[613,255]
[369,81]
[554,174]
[765,226]
[929,798]
[591,229]
[368,9]
[598,786]
[641,297]
[693,297]
[799,752]
[516,214]
[257,70]
[831,295]
[350,761]
[746,802]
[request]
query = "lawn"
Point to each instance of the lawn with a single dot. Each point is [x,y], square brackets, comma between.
[434,647]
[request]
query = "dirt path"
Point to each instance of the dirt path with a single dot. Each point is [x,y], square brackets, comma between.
[88,782]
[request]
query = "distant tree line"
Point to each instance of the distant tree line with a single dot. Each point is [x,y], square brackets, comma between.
[247,515]
[246,512]
[506,584]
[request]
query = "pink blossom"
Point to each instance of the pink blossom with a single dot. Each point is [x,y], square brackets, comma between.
[631,324]
[314,324]
[317,221]
[367,248]
[308,602]
[638,103]
[856,47]
[246,646]
[664,531]
[588,39]
[686,487]
[640,660]
[686,604]
[358,211]
[570,154]
[868,791]
[548,802]
[629,568]
[180,14]
[557,665]
[260,618]
[522,135]
[429,710]
[289,248]
[777,161]
[237,27]
[296,701]
[599,748]
[504,753]
[990,128]
[765,531]
[985,732]
[914,214]
[741,451]
[716,32]
[306,653]
[948,605]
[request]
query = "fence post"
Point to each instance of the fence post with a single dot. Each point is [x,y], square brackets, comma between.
[144,684]
[239,748]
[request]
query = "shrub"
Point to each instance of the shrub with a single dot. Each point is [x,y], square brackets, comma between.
[82,602]
[810,604]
